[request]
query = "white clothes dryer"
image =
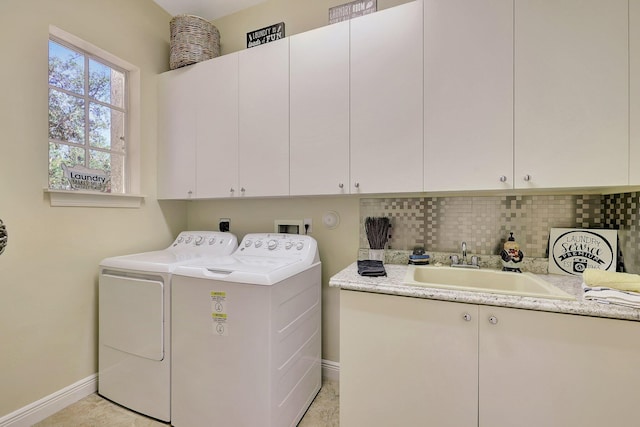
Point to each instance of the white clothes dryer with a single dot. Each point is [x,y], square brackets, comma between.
[134,344]
[247,335]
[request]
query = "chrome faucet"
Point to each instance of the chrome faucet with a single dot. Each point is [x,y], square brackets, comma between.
[456,262]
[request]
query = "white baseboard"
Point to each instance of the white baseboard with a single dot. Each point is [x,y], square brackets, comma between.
[330,371]
[49,405]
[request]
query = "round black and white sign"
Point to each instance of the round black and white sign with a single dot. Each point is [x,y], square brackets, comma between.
[576,250]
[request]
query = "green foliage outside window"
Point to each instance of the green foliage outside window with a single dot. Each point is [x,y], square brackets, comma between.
[86,116]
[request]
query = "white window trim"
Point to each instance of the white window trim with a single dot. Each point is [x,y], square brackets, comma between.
[94,199]
[131,198]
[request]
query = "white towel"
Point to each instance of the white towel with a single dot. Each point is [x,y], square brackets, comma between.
[611,296]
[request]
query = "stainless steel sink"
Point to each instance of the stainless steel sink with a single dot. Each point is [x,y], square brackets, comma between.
[491,281]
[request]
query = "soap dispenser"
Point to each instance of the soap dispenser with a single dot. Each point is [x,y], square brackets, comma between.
[511,255]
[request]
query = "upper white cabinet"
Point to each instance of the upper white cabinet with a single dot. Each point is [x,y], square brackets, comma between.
[634,92]
[319,112]
[468,95]
[198,130]
[386,101]
[176,134]
[264,120]
[571,93]
[217,127]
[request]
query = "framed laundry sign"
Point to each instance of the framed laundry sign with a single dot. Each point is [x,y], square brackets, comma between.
[572,250]
[265,35]
[354,9]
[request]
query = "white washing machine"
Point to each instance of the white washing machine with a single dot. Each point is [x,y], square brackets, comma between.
[247,335]
[134,355]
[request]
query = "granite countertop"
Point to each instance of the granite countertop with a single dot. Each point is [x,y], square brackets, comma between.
[392,285]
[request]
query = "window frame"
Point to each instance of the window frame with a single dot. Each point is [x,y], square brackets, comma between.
[131,198]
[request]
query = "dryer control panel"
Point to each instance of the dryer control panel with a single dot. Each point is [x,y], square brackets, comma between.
[203,241]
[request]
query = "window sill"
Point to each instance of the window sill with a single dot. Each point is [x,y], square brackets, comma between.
[93,199]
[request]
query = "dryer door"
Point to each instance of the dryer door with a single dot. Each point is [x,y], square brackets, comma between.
[131,315]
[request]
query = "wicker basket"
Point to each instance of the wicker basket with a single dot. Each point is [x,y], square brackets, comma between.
[193,39]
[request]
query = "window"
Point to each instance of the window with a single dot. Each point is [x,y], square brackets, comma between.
[88,120]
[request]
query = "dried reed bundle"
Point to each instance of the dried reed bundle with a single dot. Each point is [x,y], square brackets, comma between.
[377,229]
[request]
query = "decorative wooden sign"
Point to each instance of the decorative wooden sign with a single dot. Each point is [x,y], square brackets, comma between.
[352,10]
[265,35]
[572,250]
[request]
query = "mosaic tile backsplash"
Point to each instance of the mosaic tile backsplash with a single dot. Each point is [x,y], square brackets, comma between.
[484,222]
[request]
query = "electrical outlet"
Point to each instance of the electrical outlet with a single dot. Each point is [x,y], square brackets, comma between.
[224,224]
[308,224]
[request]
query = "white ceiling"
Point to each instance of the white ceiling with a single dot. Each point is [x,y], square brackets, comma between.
[207,9]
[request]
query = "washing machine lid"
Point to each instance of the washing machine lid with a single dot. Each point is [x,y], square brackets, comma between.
[252,270]
[157,261]
[188,246]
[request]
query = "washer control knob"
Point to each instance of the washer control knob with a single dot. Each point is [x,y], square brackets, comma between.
[272,244]
[212,240]
[188,239]
[299,246]
[288,245]
[199,240]
[180,239]
[258,243]
[247,243]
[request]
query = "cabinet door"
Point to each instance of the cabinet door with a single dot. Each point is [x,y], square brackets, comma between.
[176,135]
[264,120]
[571,93]
[319,85]
[468,94]
[217,127]
[557,370]
[407,361]
[386,100]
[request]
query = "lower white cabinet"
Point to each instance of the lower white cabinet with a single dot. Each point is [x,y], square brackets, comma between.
[416,362]
[407,362]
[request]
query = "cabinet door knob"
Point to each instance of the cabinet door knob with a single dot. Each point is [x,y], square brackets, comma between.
[232,190]
[503,178]
[493,320]
[466,317]
[242,189]
[527,178]
[357,185]
[341,185]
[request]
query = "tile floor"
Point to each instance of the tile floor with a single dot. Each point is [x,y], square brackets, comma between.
[94,411]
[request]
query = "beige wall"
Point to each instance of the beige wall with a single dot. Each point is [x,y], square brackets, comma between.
[298,16]
[48,273]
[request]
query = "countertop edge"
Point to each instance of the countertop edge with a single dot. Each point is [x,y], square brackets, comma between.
[349,279]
